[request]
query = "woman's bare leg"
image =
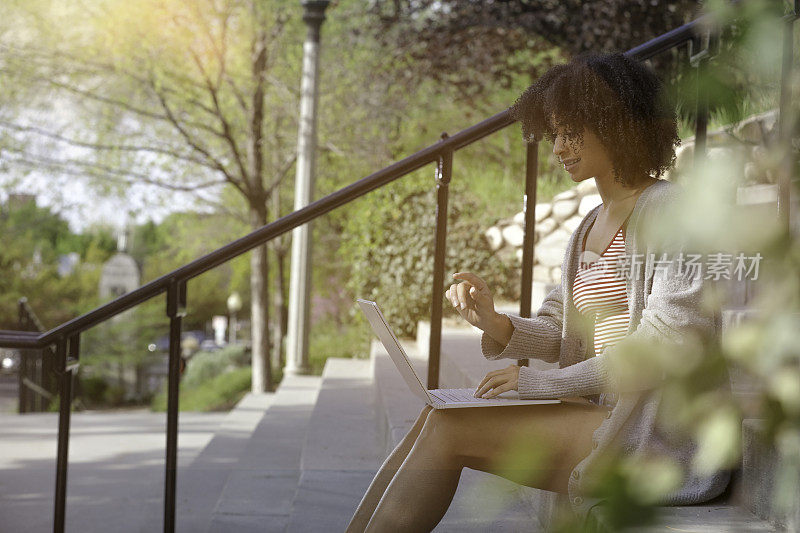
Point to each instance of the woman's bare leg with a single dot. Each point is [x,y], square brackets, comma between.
[384,476]
[484,439]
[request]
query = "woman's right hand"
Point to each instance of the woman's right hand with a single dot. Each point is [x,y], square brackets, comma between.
[473,300]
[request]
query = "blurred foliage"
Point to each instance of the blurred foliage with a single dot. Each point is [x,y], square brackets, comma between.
[93,391]
[742,75]
[372,113]
[193,97]
[183,237]
[122,343]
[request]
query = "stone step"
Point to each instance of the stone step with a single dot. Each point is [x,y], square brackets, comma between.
[759,491]
[202,482]
[483,502]
[399,408]
[704,518]
[258,494]
[343,448]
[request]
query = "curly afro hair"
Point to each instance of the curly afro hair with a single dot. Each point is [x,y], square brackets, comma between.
[619,99]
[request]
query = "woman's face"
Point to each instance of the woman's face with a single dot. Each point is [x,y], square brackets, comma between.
[589,160]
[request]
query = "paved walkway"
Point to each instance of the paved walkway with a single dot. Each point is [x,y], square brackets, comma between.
[116,474]
[8,393]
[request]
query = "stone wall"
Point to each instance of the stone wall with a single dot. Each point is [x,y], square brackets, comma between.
[555,222]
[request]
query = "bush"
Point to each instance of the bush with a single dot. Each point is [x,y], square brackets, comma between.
[93,390]
[329,339]
[219,393]
[114,396]
[203,366]
[391,248]
[213,381]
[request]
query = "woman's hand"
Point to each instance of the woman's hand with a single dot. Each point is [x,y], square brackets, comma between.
[473,300]
[498,382]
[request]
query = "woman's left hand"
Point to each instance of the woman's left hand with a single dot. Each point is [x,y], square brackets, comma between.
[498,382]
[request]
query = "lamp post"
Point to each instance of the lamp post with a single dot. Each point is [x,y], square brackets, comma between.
[234,306]
[300,280]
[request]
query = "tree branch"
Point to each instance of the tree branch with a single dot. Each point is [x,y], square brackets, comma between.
[241,186]
[70,167]
[106,147]
[220,116]
[128,107]
[281,173]
[102,68]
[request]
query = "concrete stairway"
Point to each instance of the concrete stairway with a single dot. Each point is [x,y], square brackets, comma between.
[342,450]
[300,459]
[201,484]
[363,410]
[260,488]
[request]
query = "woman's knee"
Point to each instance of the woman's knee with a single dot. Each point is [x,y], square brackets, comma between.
[423,415]
[442,428]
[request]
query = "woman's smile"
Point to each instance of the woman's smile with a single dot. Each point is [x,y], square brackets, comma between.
[570,164]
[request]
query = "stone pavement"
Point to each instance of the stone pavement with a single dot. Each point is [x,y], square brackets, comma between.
[8,393]
[116,469]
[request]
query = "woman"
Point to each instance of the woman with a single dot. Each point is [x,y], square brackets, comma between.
[608,120]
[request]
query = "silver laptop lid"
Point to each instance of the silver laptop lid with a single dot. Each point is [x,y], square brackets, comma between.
[381,328]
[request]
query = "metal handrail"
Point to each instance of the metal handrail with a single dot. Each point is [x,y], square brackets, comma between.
[34,377]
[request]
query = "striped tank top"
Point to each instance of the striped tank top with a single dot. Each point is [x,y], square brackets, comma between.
[601,296]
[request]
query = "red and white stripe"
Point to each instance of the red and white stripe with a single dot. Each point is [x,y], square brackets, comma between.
[599,294]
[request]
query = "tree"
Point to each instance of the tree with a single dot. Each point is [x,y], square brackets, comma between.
[33,239]
[178,239]
[475,44]
[193,96]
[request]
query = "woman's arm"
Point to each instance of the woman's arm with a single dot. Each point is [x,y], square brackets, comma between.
[676,322]
[538,337]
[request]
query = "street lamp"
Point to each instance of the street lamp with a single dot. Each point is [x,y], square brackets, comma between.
[234,306]
[300,278]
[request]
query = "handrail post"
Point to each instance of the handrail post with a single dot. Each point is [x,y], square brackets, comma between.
[699,60]
[529,208]
[67,355]
[24,357]
[444,171]
[176,310]
[786,120]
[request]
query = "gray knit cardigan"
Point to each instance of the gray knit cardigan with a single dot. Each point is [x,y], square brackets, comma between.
[663,304]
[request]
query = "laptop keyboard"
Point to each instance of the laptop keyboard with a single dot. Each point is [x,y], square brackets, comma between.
[457,395]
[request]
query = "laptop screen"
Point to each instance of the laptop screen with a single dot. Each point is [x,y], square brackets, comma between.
[393,347]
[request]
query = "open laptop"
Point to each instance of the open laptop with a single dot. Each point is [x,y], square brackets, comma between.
[436,398]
